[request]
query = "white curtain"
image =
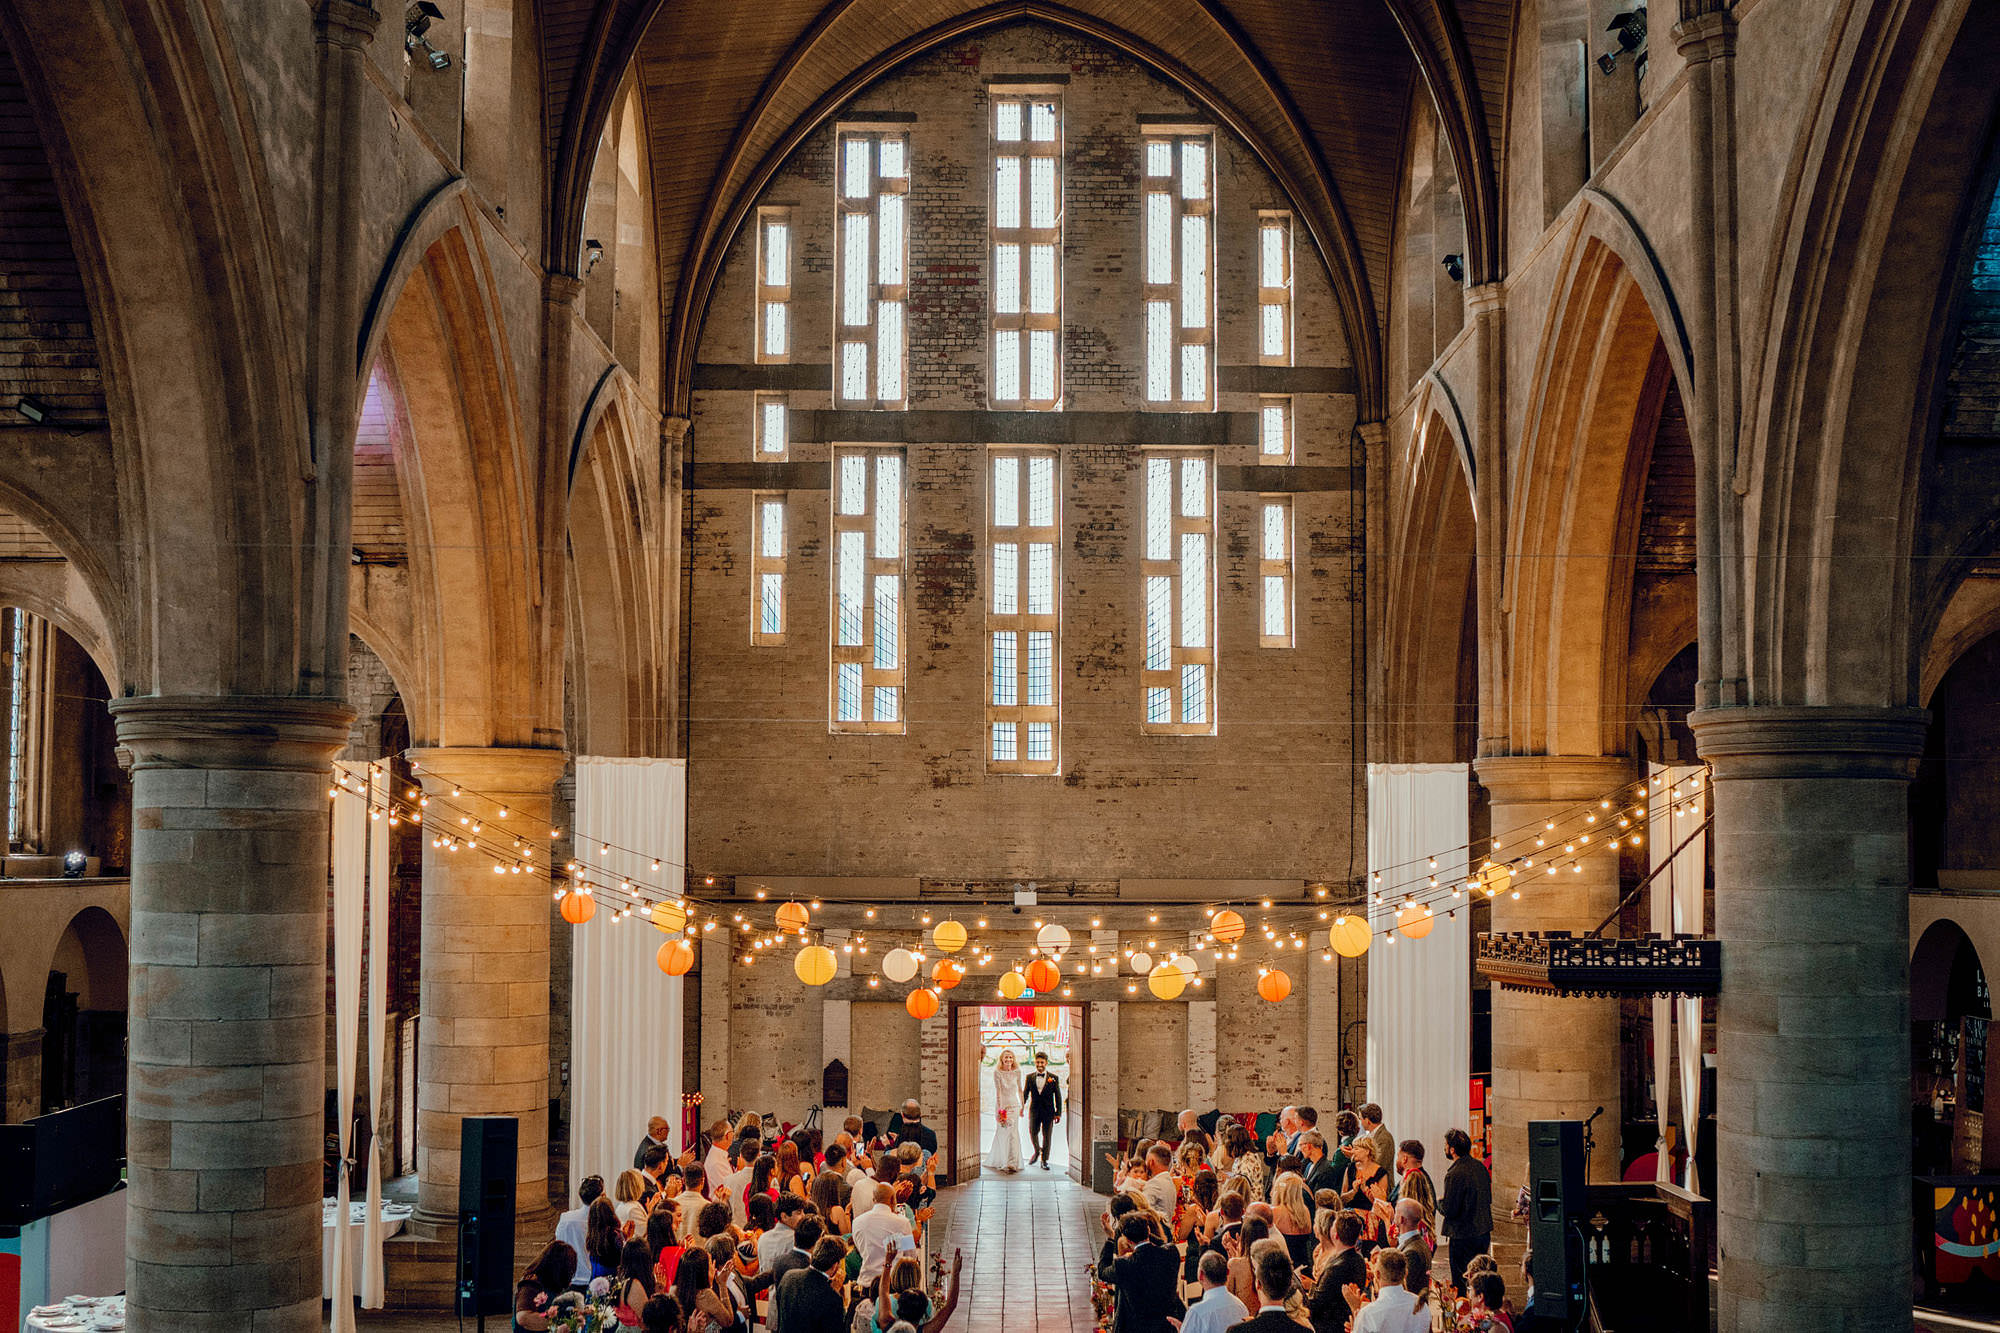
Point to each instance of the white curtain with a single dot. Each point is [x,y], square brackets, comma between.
[1420,991]
[350,867]
[1676,910]
[379,801]
[625,1014]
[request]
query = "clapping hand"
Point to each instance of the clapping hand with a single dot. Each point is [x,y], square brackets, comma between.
[1352,1291]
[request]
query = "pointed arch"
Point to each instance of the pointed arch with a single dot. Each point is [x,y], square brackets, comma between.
[1429,640]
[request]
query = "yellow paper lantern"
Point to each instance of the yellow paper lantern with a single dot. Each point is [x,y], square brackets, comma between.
[1414,921]
[1167,981]
[793,916]
[1274,985]
[921,1003]
[945,974]
[949,936]
[1226,926]
[1350,936]
[1043,976]
[578,908]
[815,965]
[676,958]
[670,916]
[1013,985]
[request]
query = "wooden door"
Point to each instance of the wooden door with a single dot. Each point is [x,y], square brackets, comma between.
[966,1071]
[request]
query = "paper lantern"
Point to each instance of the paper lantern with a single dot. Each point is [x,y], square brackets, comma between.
[1043,976]
[793,916]
[949,936]
[1167,981]
[578,908]
[921,1003]
[1350,936]
[1415,922]
[1053,939]
[670,916]
[815,965]
[945,974]
[676,958]
[1274,985]
[1226,926]
[1142,961]
[1013,985]
[899,965]
[1189,968]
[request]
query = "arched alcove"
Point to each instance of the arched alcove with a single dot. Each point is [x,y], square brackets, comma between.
[83,1014]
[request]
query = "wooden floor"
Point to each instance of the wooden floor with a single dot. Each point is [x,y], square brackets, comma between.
[1028,1240]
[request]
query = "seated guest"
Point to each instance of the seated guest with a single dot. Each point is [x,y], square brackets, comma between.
[1274,1287]
[1145,1280]
[1216,1310]
[547,1278]
[1485,1309]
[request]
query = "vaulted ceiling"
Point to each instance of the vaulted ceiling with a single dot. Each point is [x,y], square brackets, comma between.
[1322,90]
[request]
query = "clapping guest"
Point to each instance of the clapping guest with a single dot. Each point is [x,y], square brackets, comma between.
[1274,1287]
[1337,1265]
[663,1240]
[630,1196]
[1217,1310]
[1413,1182]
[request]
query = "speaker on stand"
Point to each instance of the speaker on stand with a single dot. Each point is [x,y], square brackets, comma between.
[1556,1198]
[486,1174]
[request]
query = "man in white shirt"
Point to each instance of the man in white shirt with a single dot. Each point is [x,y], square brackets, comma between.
[716,1164]
[734,1184]
[1159,1189]
[873,1233]
[1394,1310]
[571,1226]
[773,1244]
[1216,1310]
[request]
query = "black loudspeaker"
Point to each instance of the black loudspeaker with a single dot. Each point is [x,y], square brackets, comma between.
[1555,1199]
[486,1168]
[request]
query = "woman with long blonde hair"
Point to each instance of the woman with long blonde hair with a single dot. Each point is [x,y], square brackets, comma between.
[1005,1154]
[1292,1217]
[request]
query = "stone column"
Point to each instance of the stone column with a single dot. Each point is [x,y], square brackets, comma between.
[1813,1030]
[225,1102]
[483,1045]
[1553,1059]
[21,1076]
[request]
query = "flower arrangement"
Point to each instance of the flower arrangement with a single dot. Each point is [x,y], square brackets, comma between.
[573,1312]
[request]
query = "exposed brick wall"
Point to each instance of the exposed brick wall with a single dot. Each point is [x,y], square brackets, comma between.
[1152,1055]
[1260,1047]
[774,1040]
[886,1066]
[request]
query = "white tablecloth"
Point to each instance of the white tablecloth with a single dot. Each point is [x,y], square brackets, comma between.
[93,1313]
[394,1217]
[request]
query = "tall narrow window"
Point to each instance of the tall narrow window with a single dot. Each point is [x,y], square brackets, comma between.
[767,567]
[867,590]
[1027,251]
[1274,430]
[26,662]
[1023,617]
[772,426]
[1179,575]
[774,284]
[1274,289]
[871,279]
[1274,572]
[1180,250]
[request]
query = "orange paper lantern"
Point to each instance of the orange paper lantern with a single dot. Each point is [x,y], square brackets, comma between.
[921,1003]
[1043,976]
[792,916]
[578,908]
[676,958]
[1226,926]
[946,974]
[1274,985]
[1414,921]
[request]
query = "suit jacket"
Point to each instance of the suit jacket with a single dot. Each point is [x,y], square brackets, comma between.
[1269,1321]
[791,1261]
[1321,1176]
[807,1302]
[1147,1283]
[1044,1096]
[1327,1306]
[1466,1210]
[639,1153]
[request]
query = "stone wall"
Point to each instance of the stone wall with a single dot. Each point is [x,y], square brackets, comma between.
[885,1067]
[1153,1055]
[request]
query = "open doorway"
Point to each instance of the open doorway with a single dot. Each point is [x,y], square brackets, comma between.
[980,1033]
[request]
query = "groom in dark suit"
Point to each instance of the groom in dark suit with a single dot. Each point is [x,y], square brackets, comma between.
[1043,1097]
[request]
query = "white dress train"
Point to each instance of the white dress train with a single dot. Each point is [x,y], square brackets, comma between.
[1005,1154]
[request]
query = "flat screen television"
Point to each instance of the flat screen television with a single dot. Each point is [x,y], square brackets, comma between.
[60,1160]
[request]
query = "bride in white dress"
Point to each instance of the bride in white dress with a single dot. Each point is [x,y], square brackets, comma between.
[1005,1154]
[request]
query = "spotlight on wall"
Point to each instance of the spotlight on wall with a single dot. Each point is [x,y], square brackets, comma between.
[417,22]
[1454,267]
[593,254]
[34,409]
[1631,29]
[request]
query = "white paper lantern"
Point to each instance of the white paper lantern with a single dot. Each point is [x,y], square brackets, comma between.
[1053,939]
[899,965]
[1142,961]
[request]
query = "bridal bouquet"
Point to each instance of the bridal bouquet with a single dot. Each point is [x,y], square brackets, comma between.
[1003,1113]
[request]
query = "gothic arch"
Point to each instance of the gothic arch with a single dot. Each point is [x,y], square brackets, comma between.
[1426,638]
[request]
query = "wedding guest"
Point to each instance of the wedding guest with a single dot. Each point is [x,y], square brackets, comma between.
[1216,1311]
[603,1241]
[656,1137]
[547,1278]
[570,1227]
[630,1200]
[663,1240]
[1145,1280]
[1292,1217]
[632,1286]
[662,1315]
[1274,1287]
[1465,1214]
[1337,1265]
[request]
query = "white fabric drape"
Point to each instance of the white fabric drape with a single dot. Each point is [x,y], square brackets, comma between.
[625,1017]
[1676,910]
[350,867]
[372,1285]
[1420,991]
